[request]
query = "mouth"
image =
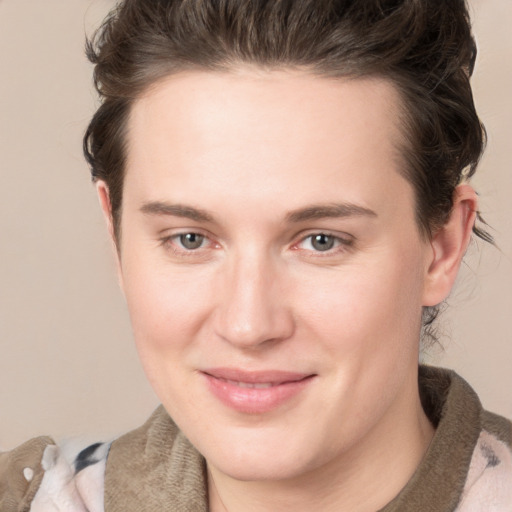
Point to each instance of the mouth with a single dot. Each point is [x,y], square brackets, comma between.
[255,392]
[251,385]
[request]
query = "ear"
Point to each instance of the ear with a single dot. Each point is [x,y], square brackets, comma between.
[106,207]
[449,244]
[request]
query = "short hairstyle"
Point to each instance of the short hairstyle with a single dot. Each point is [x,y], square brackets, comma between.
[425,48]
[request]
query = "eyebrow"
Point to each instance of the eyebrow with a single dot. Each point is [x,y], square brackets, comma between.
[313,212]
[176,210]
[323,211]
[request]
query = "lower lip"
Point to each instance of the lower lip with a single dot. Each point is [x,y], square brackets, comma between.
[255,400]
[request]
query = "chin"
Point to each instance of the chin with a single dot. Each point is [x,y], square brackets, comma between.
[270,469]
[260,460]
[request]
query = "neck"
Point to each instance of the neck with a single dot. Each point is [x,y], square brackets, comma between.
[383,461]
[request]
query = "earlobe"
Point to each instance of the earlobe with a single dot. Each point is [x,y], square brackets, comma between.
[449,244]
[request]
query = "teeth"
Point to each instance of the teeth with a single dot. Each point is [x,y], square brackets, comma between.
[251,385]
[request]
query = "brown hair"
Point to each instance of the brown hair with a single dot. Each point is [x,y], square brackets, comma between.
[425,48]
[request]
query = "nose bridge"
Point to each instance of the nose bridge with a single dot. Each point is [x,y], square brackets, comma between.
[252,307]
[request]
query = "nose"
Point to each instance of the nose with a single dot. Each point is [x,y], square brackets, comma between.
[252,305]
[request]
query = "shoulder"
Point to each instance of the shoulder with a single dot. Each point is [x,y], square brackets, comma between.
[153,465]
[467,466]
[21,473]
[479,443]
[489,481]
[41,477]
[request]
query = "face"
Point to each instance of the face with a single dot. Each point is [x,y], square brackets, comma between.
[272,265]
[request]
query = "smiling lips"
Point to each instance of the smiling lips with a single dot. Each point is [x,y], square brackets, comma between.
[255,392]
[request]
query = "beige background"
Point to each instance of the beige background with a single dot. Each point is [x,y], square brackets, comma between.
[67,362]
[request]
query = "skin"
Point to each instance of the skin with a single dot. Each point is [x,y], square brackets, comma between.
[247,148]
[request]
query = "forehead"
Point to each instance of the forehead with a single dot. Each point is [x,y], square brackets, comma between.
[261,134]
[264,102]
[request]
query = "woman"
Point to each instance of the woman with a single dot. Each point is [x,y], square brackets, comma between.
[287,187]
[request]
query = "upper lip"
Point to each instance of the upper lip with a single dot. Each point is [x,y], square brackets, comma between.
[256,377]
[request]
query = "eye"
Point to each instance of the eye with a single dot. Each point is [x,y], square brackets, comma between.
[324,242]
[191,245]
[191,241]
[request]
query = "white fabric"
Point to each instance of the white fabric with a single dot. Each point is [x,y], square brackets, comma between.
[64,490]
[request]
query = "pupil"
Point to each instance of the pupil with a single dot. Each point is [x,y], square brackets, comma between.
[191,240]
[323,242]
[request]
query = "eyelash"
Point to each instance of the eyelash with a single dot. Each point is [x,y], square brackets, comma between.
[341,244]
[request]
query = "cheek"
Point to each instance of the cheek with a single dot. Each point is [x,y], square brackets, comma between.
[166,311]
[369,306]
[166,307]
[366,322]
